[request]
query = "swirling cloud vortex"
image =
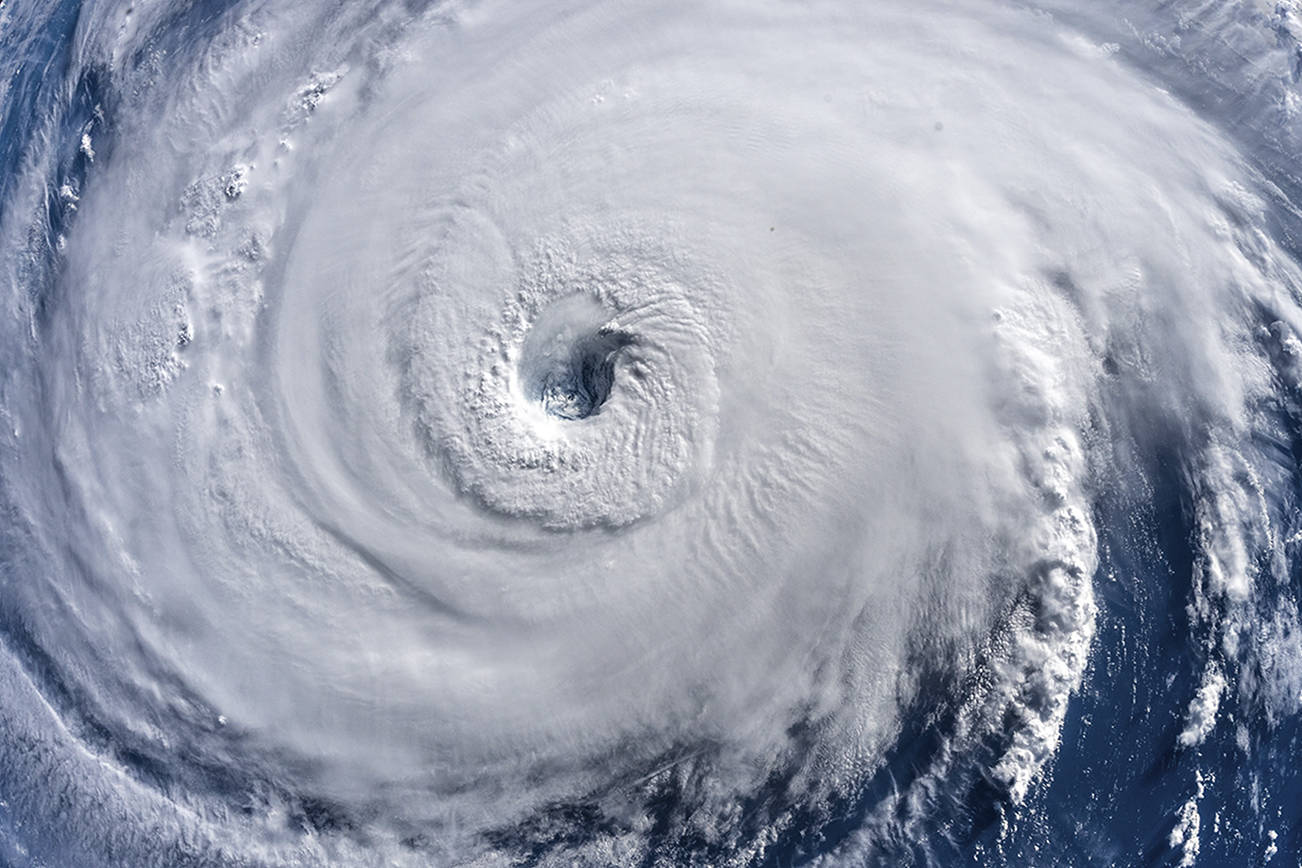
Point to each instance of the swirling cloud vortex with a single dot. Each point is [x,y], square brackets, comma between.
[592,432]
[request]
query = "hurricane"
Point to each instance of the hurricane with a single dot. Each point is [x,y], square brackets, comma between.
[462,432]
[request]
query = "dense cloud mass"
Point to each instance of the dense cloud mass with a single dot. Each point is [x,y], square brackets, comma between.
[649,433]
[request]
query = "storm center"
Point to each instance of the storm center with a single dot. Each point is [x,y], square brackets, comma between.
[578,388]
[569,360]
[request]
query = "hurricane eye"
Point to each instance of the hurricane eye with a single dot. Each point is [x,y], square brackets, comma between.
[581,381]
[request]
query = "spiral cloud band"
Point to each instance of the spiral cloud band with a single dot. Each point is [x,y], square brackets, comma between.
[648,433]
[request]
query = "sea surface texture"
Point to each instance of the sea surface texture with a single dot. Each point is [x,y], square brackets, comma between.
[650,433]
